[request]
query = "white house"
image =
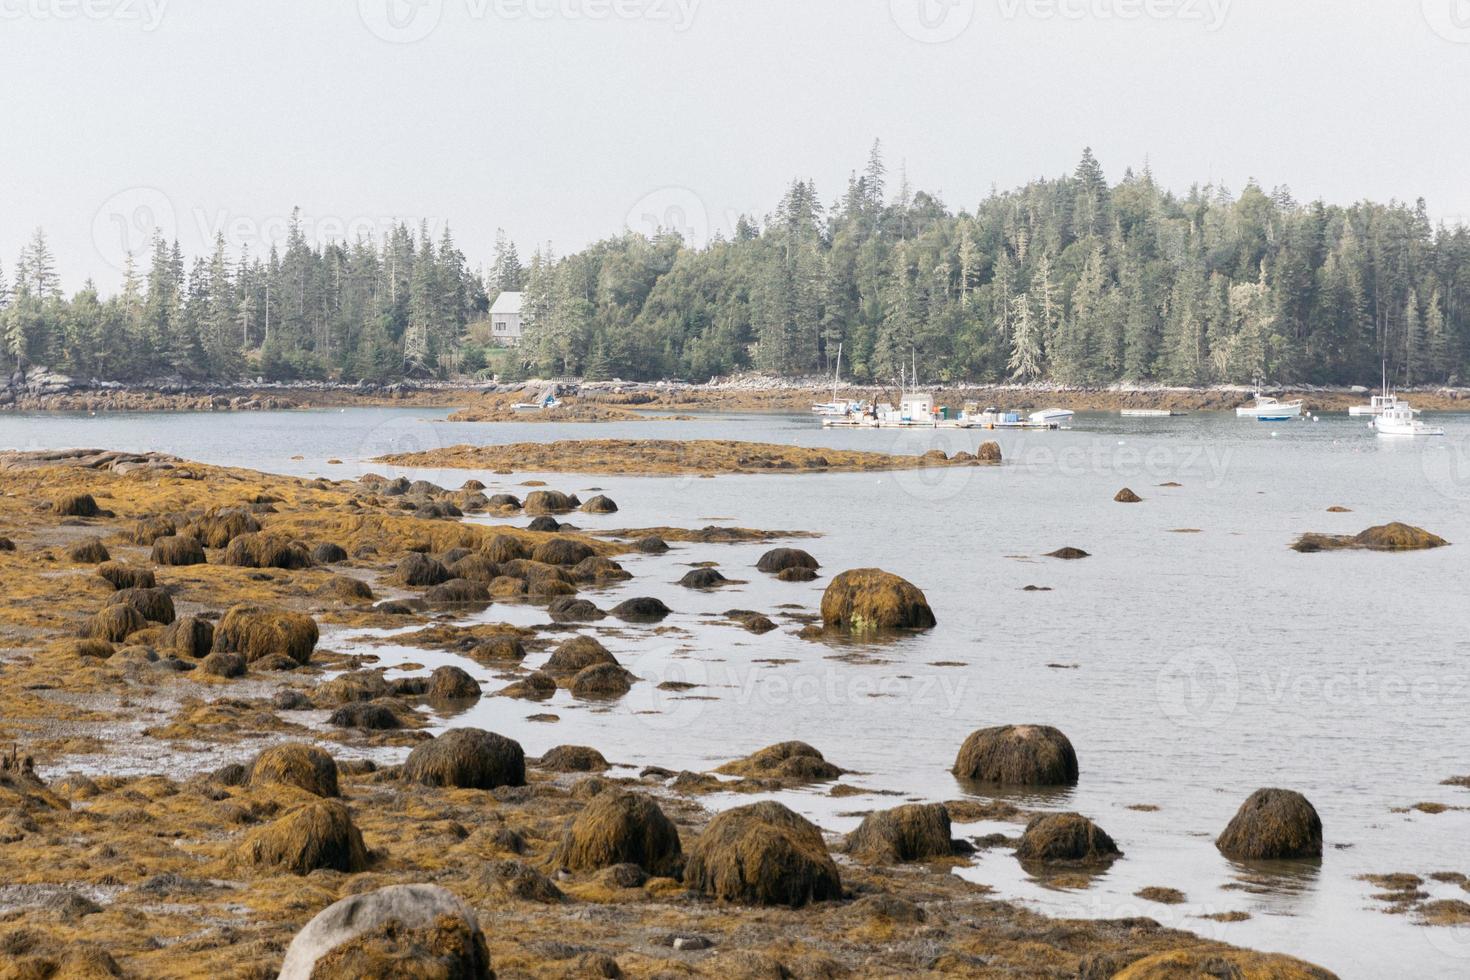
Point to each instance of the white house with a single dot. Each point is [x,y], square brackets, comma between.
[505,320]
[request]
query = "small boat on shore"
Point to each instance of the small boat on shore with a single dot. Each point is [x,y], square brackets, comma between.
[1399,420]
[547,400]
[1149,413]
[1059,416]
[1268,409]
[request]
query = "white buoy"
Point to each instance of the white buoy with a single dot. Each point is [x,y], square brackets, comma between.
[1275,434]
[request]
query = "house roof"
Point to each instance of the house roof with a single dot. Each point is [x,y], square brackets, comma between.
[507,303]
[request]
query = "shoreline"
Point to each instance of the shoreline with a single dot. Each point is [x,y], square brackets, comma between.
[151,872]
[615,401]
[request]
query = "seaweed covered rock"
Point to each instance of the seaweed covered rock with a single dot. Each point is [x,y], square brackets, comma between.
[577,654]
[562,551]
[1127,496]
[217,528]
[498,650]
[762,854]
[913,832]
[149,529]
[256,633]
[1068,554]
[505,547]
[346,588]
[793,762]
[468,758]
[1018,755]
[305,767]
[572,758]
[76,505]
[89,552]
[223,665]
[868,600]
[327,553]
[1273,824]
[780,559]
[651,545]
[314,836]
[796,575]
[476,568]
[1387,537]
[420,571]
[262,550]
[641,610]
[545,524]
[458,592]
[703,578]
[369,716]
[601,681]
[123,576]
[418,931]
[155,604]
[114,624]
[599,570]
[450,683]
[178,550]
[620,827]
[600,504]
[190,636]
[989,452]
[1065,838]
[570,609]
[538,686]
[1232,963]
[549,502]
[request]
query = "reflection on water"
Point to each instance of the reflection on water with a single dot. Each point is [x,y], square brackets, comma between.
[1199,667]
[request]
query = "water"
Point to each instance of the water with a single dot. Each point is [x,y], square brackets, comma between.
[1189,669]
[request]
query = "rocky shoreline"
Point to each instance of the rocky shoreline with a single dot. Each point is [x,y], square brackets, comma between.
[198,782]
[40,390]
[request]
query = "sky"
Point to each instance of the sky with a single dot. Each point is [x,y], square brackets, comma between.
[566,121]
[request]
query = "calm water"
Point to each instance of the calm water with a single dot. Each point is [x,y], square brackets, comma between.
[1189,669]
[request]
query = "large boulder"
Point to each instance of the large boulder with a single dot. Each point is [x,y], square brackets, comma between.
[577,654]
[89,552]
[476,568]
[549,502]
[123,576]
[1018,755]
[149,529]
[305,767]
[562,551]
[572,758]
[913,832]
[763,854]
[601,682]
[261,550]
[114,624]
[780,559]
[190,636]
[458,592]
[76,505]
[620,827]
[420,571]
[178,550]
[256,633]
[600,504]
[217,528]
[641,610]
[1387,537]
[156,605]
[450,683]
[315,836]
[703,578]
[468,758]
[869,599]
[1065,838]
[1274,824]
[505,547]
[417,931]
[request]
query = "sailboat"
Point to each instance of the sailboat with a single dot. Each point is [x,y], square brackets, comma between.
[835,408]
[1378,404]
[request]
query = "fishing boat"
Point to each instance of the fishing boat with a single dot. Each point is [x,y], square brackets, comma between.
[547,400]
[1268,409]
[1378,404]
[1399,420]
[1059,416]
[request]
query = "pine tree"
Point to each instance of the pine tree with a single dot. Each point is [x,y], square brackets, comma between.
[1025,361]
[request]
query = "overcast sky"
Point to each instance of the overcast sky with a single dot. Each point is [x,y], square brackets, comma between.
[566,120]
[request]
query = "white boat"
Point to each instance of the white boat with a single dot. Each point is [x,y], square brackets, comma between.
[547,400]
[836,408]
[1149,413]
[1400,421]
[1057,416]
[1268,409]
[1378,405]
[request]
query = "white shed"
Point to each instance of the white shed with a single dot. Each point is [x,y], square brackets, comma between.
[505,320]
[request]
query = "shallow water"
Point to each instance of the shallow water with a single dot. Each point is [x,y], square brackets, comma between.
[1189,669]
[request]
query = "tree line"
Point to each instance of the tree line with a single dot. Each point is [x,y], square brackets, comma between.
[1073,279]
